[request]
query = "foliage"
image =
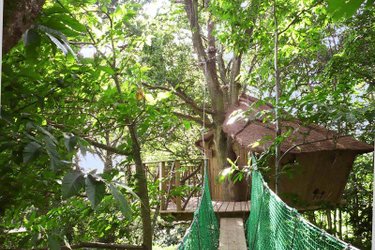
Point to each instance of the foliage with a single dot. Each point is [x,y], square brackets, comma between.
[87,70]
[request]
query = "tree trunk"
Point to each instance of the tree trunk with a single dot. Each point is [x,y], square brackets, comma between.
[335,222]
[207,57]
[18,17]
[108,156]
[311,216]
[108,163]
[141,189]
[340,223]
[329,220]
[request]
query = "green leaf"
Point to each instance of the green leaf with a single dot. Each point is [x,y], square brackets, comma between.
[31,151]
[72,183]
[47,133]
[31,38]
[187,124]
[128,189]
[73,24]
[53,242]
[58,44]
[32,42]
[343,9]
[95,190]
[121,201]
[82,144]
[58,38]
[70,141]
[225,174]
[52,152]
[106,69]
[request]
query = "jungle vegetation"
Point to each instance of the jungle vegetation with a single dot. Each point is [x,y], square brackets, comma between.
[135,81]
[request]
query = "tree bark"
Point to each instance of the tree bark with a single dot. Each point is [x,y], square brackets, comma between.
[108,156]
[18,17]
[340,223]
[329,220]
[142,190]
[234,87]
[207,61]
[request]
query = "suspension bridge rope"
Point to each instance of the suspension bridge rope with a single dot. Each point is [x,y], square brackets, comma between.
[273,225]
[203,233]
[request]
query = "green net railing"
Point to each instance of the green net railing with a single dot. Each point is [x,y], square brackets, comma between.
[203,233]
[274,225]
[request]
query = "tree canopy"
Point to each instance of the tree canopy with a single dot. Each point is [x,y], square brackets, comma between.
[137,81]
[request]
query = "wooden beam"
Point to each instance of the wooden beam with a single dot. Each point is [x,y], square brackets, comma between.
[177,184]
[162,185]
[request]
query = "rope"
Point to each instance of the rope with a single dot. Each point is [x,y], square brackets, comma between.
[273,225]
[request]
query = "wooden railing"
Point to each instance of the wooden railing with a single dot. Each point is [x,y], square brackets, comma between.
[179,181]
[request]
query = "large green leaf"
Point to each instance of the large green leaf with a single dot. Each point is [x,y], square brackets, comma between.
[47,133]
[58,38]
[72,183]
[53,242]
[31,41]
[31,151]
[59,44]
[121,201]
[52,152]
[95,190]
[343,9]
[70,141]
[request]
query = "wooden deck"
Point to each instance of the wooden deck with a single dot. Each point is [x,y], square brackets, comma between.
[232,234]
[221,208]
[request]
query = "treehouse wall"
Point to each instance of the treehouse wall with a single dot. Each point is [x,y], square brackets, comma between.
[318,179]
[312,180]
[308,180]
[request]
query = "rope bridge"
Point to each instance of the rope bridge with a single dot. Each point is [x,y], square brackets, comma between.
[271,225]
[203,232]
[274,225]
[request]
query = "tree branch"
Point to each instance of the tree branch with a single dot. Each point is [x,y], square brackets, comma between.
[195,119]
[297,17]
[191,8]
[207,60]
[178,92]
[234,87]
[90,140]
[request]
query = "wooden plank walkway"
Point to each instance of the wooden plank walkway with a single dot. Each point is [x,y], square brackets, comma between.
[232,234]
[221,208]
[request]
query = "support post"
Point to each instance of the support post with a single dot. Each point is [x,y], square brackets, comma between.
[177,184]
[162,184]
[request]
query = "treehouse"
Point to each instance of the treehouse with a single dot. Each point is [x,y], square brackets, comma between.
[315,166]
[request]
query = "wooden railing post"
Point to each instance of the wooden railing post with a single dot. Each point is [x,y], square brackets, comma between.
[162,184]
[177,184]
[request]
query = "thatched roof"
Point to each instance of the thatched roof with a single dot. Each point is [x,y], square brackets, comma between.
[243,124]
